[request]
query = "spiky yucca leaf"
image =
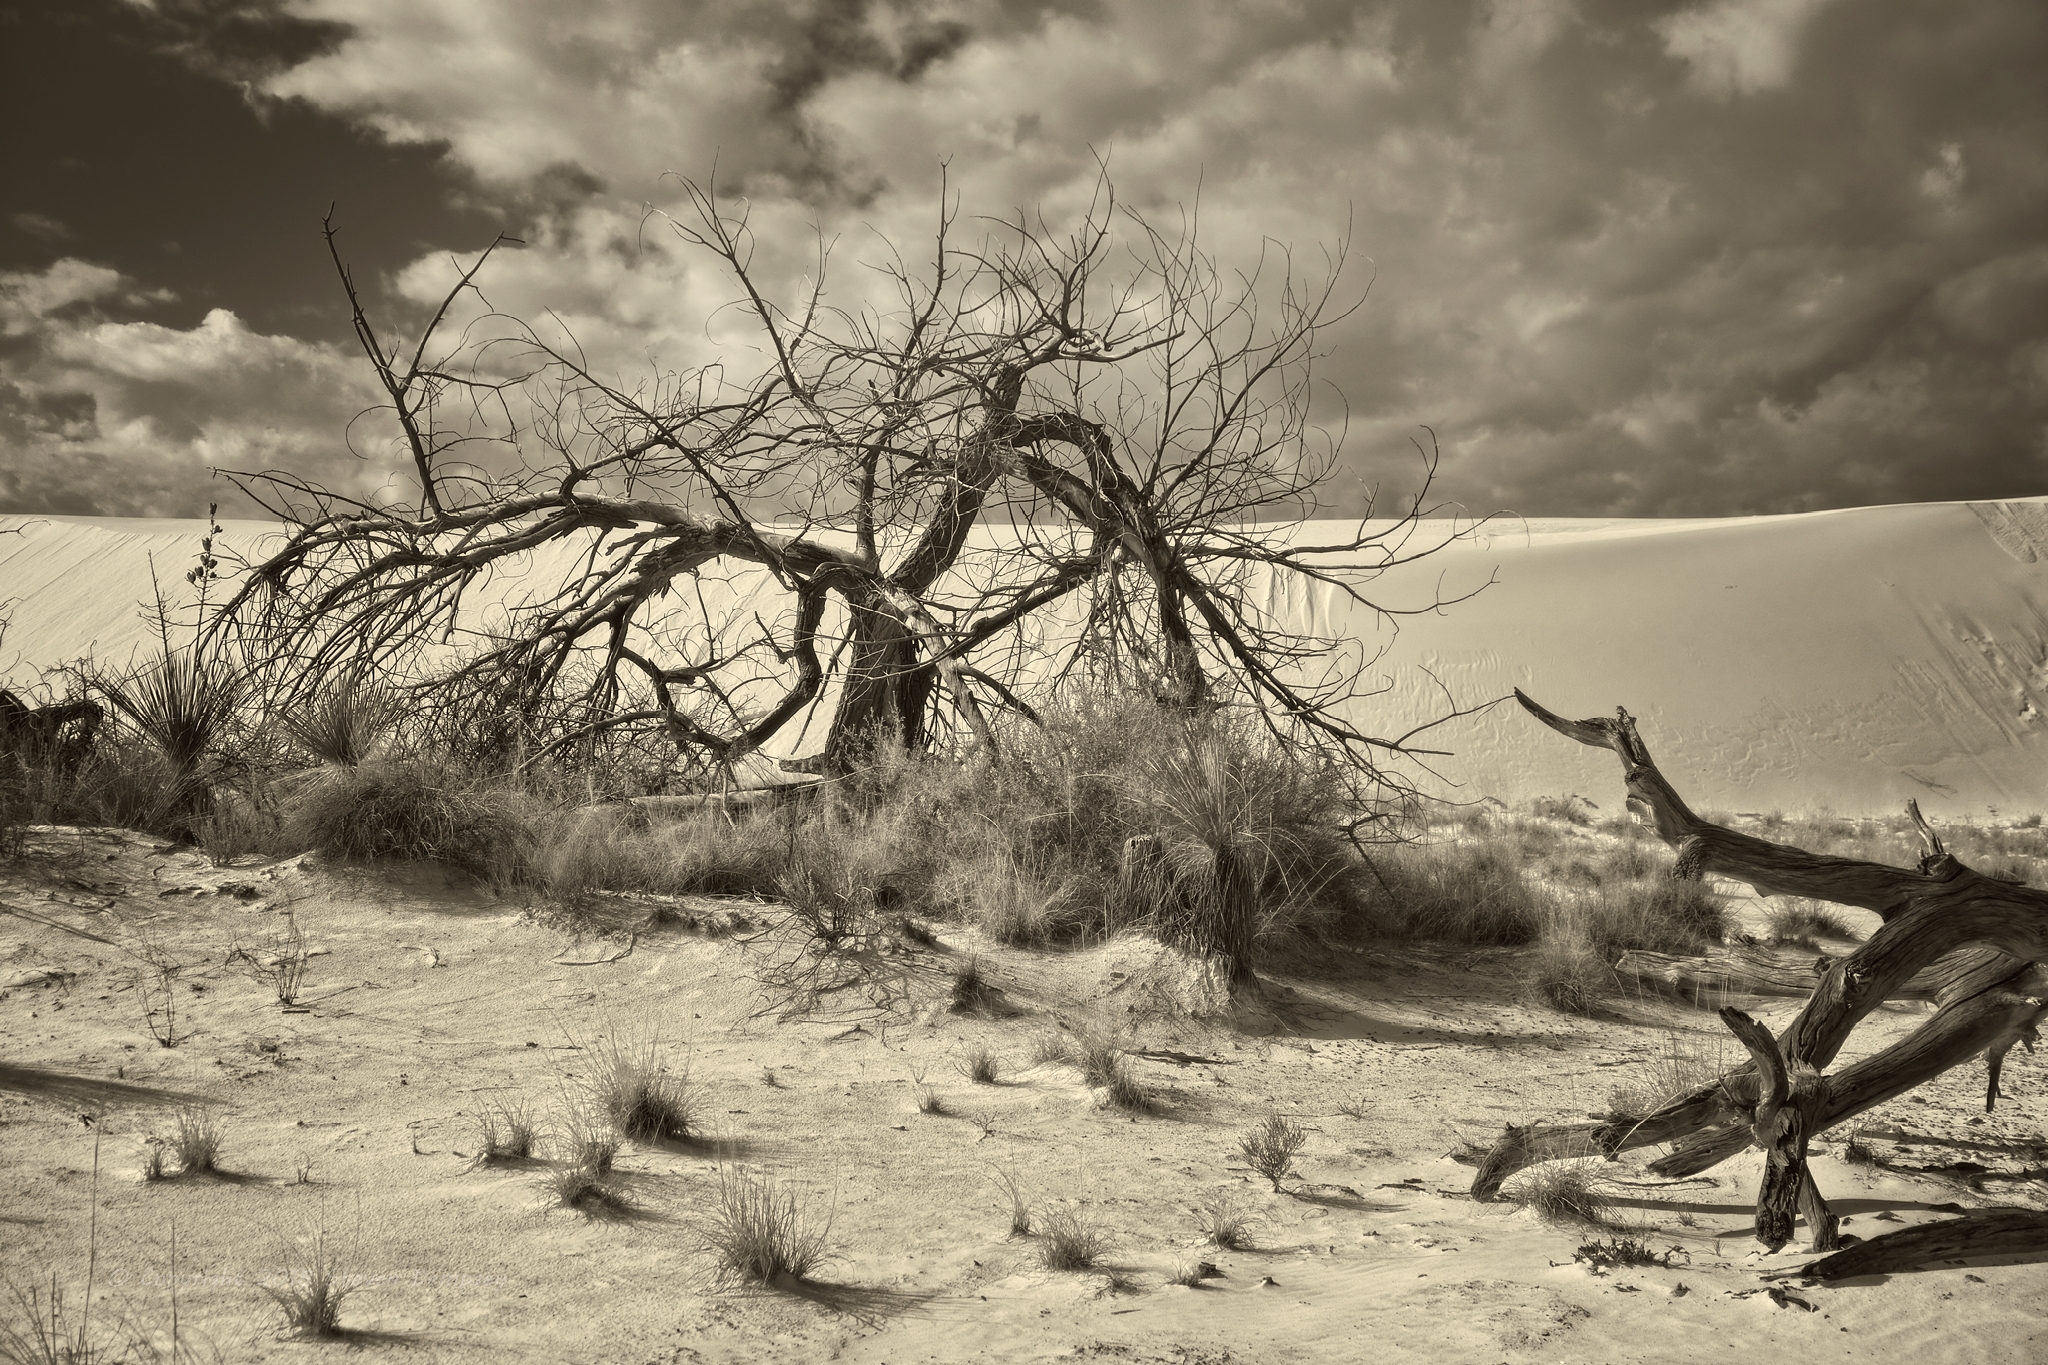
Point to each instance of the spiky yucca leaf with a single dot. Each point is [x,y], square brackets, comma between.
[344,725]
[183,705]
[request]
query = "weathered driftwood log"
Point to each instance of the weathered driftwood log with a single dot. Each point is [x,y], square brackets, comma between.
[1978,936]
[1751,969]
[1986,1232]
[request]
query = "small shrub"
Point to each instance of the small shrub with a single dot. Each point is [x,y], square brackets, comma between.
[1070,1241]
[1272,1146]
[1355,1107]
[971,991]
[1050,1045]
[158,1149]
[1014,905]
[313,1289]
[1617,1253]
[644,1100]
[1567,972]
[1225,1221]
[506,1131]
[197,1141]
[761,1234]
[1684,1066]
[1573,809]
[1099,1052]
[979,1065]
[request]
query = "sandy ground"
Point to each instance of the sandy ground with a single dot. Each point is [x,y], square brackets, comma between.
[428,998]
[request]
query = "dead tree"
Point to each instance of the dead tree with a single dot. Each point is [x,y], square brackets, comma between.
[1048,452]
[1974,940]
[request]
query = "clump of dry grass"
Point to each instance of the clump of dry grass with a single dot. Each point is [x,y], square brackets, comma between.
[1684,1065]
[196,1139]
[972,992]
[1098,1050]
[979,1064]
[506,1131]
[644,1100]
[1020,1208]
[588,1138]
[761,1234]
[586,1190]
[412,810]
[1471,891]
[1069,1240]
[1564,1192]
[1271,1147]
[1226,1221]
[1801,922]
[314,1287]
[927,1096]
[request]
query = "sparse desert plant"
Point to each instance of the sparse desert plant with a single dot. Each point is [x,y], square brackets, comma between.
[1620,1252]
[1564,1192]
[281,963]
[1017,904]
[1020,1207]
[184,706]
[979,1065]
[1573,809]
[985,1120]
[1662,915]
[644,1100]
[157,1150]
[505,1131]
[1226,1221]
[1099,1051]
[1050,1045]
[760,1233]
[928,1099]
[196,1140]
[1271,1147]
[1565,969]
[1190,1272]
[1355,1106]
[1801,921]
[313,1288]
[1068,1240]
[156,984]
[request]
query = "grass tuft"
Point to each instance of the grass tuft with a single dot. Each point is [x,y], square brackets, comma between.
[644,1100]
[1070,1241]
[196,1141]
[979,1065]
[506,1131]
[313,1290]
[762,1234]
[1020,1208]
[1564,1192]
[1226,1221]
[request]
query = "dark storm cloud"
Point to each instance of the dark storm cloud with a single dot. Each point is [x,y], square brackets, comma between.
[1680,258]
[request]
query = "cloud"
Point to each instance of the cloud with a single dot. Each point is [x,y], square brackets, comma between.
[101,416]
[1739,47]
[1741,255]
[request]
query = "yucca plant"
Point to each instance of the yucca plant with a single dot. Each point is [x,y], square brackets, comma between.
[344,725]
[184,706]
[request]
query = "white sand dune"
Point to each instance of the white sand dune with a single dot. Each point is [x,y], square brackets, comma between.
[1850,659]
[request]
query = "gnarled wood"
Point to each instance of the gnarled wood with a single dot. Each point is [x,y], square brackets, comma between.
[1971,938]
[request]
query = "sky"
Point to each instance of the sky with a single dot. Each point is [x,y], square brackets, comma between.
[1715,258]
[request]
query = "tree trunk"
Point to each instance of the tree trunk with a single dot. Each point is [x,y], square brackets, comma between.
[884,698]
[1978,936]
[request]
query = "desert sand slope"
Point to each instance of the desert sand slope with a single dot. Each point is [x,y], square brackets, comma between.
[355,1114]
[1851,658]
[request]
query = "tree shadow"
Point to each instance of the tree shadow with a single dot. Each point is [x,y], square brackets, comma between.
[87,1091]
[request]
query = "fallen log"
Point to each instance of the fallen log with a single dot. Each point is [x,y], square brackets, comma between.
[1983,1233]
[1973,938]
[1751,969]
